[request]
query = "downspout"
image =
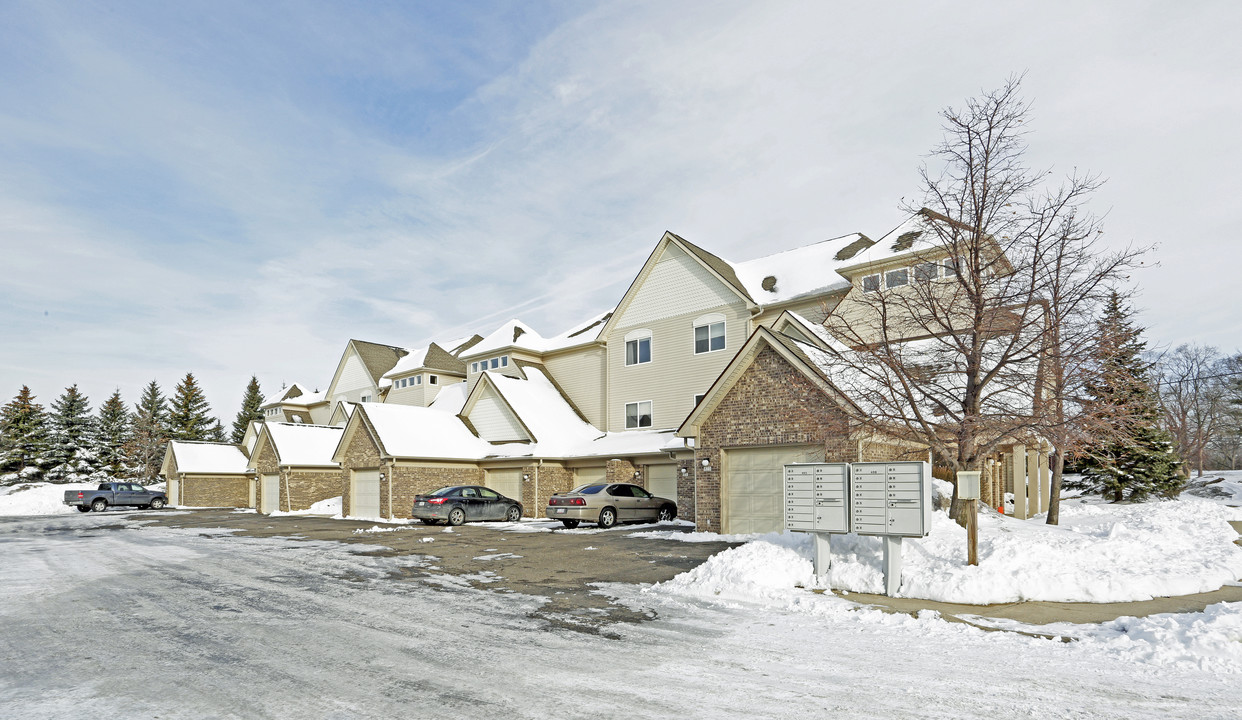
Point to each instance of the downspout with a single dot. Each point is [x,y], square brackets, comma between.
[532,510]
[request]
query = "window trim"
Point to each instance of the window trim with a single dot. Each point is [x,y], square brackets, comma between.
[698,398]
[905,270]
[637,337]
[708,321]
[879,282]
[638,417]
[914,271]
[433,379]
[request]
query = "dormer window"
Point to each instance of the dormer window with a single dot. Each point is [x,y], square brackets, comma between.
[925,272]
[474,367]
[897,278]
[433,380]
[365,398]
[418,379]
[871,283]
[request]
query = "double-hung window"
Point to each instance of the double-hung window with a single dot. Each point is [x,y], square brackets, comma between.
[418,380]
[871,283]
[709,333]
[925,272]
[638,415]
[638,347]
[896,278]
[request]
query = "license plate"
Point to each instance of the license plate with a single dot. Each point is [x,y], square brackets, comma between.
[420,502]
[560,511]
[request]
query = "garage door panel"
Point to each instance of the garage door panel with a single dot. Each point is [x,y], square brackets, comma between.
[590,476]
[505,482]
[662,481]
[365,494]
[753,491]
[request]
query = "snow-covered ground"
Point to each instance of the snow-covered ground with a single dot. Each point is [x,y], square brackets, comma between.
[39,498]
[195,624]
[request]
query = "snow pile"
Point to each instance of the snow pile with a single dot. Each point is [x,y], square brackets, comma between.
[330,507]
[378,529]
[1099,553]
[1224,487]
[39,498]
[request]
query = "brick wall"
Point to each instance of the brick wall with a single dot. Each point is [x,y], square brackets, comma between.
[215,491]
[408,481]
[299,489]
[265,464]
[552,479]
[360,454]
[622,471]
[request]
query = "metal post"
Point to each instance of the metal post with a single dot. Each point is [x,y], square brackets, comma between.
[823,555]
[892,564]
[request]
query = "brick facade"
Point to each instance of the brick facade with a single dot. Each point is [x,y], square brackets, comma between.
[215,491]
[300,488]
[362,453]
[624,471]
[772,404]
[551,479]
[409,480]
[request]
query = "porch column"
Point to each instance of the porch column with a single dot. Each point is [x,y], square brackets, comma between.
[1032,481]
[1018,462]
[1045,476]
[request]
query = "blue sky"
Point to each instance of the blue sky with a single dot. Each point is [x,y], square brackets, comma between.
[233,188]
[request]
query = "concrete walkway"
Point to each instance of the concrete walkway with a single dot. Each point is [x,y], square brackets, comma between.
[1042,613]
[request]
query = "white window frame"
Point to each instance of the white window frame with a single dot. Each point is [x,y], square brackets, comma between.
[698,398]
[914,271]
[710,321]
[474,367]
[894,271]
[364,398]
[638,415]
[879,282]
[637,337]
[418,379]
[504,361]
[433,379]
[495,363]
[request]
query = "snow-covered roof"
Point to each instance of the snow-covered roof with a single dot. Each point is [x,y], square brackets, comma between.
[806,270]
[913,237]
[209,458]
[582,333]
[451,398]
[296,394]
[410,431]
[514,333]
[304,445]
[545,412]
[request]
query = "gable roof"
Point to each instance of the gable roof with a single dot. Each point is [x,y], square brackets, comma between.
[431,357]
[513,333]
[549,419]
[720,266]
[206,458]
[410,431]
[297,444]
[802,271]
[377,359]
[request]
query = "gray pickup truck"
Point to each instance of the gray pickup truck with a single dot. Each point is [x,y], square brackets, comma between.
[115,493]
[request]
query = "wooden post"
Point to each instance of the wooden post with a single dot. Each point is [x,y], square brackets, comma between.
[971,510]
[1032,482]
[1045,477]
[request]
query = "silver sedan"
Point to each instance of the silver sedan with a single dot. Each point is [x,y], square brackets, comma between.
[608,504]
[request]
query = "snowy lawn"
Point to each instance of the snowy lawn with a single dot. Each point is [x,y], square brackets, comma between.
[1099,553]
[39,498]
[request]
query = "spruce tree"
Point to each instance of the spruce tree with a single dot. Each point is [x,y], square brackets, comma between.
[144,453]
[189,414]
[217,433]
[23,439]
[113,436]
[1138,460]
[251,401]
[71,451]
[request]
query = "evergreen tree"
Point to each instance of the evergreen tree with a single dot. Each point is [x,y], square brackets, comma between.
[189,415]
[1138,460]
[217,433]
[23,439]
[251,401]
[113,436]
[144,453]
[72,439]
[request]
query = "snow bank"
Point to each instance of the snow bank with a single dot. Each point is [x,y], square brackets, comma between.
[39,498]
[1099,553]
[330,507]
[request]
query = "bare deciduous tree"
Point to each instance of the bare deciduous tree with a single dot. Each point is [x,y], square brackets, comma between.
[1193,399]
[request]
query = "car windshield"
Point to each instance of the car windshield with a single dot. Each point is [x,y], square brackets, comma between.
[445,491]
[588,489]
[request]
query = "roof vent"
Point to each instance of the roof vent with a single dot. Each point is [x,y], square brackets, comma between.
[517,332]
[905,240]
[769,283]
[862,243]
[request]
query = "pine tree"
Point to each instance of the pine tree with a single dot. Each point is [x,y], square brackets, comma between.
[251,401]
[113,436]
[71,451]
[23,439]
[1138,460]
[189,415]
[144,453]
[217,433]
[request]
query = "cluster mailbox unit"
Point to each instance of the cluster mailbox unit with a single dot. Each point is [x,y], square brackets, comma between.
[888,499]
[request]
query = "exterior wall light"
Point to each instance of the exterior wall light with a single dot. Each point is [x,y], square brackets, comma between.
[526,477]
[707,465]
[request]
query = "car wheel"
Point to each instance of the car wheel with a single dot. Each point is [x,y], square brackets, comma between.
[514,514]
[429,521]
[456,516]
[607,517]
[84,508]
[99,505]
[571,524]
[157,503]
[667,513]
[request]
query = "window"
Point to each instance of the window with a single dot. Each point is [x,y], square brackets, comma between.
[418,380]
[365,398]
[897,278]
[488,494]
[638,347]
[638,414]
[588,489]
[950,266]
[699,398]
[871,283]
[474,367]
[495,363]
[504,361]
[469,492]
[432,379]
[925,272]
[709,333]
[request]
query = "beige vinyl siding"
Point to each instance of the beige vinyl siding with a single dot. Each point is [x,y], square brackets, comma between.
[675,374]
[493,420]
[511,370]
[676,285]
[580,373]
[412,394]
[354,381]
[321,414]
[812,309]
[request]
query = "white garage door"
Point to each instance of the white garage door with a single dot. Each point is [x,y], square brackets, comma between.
[364,494]
[174,491]
[269,499]
[662,481]
[506,482]
[751,499]
[588,475]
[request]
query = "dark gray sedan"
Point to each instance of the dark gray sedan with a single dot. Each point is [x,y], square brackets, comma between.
[457,504]
[608,504]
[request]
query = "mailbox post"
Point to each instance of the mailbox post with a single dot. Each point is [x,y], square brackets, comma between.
[968,493]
